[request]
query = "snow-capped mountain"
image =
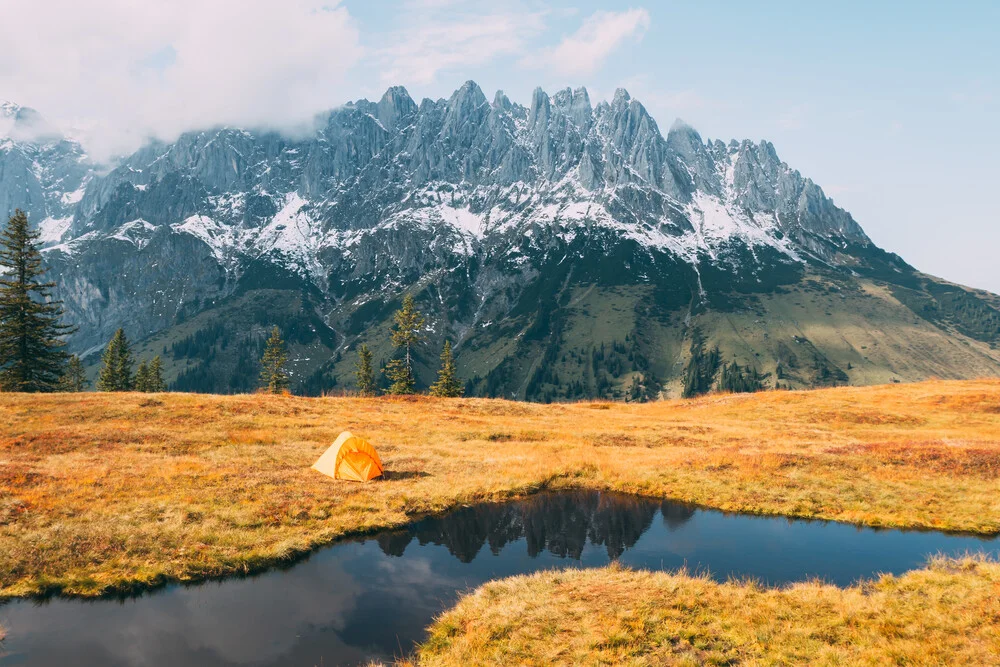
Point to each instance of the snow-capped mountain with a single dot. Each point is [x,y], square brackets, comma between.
[496,214]
[40,170]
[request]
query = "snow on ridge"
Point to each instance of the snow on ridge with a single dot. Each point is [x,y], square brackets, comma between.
[291,230]
[51,230]
[70,247]
[215,235]
[135,232]
[716,223]
[74,197]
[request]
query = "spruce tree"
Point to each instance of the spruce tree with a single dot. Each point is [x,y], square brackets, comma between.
[156,383]
[448,384]
[116,371]
[400,377]
[75,377]
[405,335]
[365,374]
[141,381]
[32,358]
[273,376]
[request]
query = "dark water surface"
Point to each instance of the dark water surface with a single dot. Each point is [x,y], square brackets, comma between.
[373,598]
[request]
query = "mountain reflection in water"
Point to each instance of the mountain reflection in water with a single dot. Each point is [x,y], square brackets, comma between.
[560,523]
[372,597]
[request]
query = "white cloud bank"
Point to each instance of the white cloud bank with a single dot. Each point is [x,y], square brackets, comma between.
[445,35]
[123,71]
[118,72]
[585,51]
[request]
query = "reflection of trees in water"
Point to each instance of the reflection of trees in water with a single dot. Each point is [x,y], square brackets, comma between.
[394,543]
[619,525]
[561,523]
[675,514]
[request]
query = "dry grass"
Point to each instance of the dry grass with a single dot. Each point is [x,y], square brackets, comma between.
[946,614]
[103,492]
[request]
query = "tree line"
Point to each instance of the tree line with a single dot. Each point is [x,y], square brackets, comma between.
[32,346]
[405,336]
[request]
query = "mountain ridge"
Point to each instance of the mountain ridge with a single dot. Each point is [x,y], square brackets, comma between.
[495,213]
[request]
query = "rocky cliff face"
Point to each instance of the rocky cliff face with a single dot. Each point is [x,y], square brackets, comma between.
[492,211]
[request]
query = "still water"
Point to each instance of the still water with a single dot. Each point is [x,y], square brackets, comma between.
[373,597]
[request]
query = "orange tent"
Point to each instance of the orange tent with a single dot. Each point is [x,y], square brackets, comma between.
[350,457]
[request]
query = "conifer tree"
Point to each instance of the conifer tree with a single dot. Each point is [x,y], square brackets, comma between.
[75,377]
[31,350]
[400,377]
[273,376]
[116,371]
[365,374]
[448,384]
[141,381]
[405,335]
[156,383]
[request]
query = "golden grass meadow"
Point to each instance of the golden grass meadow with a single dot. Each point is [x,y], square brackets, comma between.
[945,614]
[105,493]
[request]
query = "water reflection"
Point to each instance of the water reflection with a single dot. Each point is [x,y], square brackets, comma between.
[372,598]
[561,524]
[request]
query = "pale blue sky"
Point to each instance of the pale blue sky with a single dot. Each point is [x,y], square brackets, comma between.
[892,107]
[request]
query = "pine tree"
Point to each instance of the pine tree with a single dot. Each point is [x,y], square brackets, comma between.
[75,377]
[400,378]
[364,373]
[273,376]
[116,372]
[741,379]
[405,334]
[31,350]
[701,368]
[448,384]
[141,381]
[156,383]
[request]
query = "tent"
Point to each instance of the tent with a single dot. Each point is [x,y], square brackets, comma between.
[350,457]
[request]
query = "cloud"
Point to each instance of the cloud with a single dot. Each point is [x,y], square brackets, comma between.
[124,71]
[585,50]
[443,35]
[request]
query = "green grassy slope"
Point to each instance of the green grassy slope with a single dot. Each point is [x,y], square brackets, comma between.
[619,342]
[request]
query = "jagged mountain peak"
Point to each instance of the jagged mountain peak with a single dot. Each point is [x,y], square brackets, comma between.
[394,189]
[501,102]
[24,124]
[495,214]
[468,92]
[395,105]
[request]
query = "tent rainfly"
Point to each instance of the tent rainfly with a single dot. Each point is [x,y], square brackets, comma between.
[350,457]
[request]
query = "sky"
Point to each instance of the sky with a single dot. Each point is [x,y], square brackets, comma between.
[892,107]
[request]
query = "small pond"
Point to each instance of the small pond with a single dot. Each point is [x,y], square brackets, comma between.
[373,597]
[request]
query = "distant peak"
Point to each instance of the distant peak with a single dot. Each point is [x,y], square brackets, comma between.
[501,101]
[396,93]
[621,96]
[680,131]
[470,86]
[469,89]
[680,125]
[395,104]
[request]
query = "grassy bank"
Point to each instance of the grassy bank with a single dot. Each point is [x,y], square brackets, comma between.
[105,492]
[946,614]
